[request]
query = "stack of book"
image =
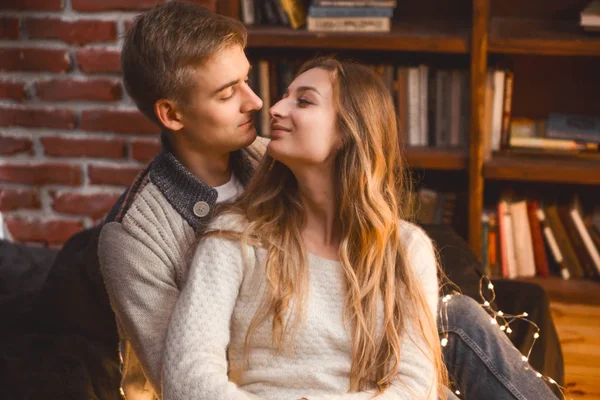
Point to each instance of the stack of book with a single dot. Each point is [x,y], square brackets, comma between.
[559,133]
[590,17]
[525,238]
[350,15]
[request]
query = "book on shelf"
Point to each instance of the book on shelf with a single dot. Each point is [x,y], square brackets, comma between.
[290,13]
[433,207]
[573,127]
[559,133]
[552,246]
[508,259]
[349,24]
[564,243]
[532,134]
[432,104]
[347,16]
[355,3]
[349,11]
[584,257]
[523,243]
[539,240]
[590,16]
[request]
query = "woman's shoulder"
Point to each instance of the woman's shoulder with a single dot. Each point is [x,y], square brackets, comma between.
[228,222]
[413,235]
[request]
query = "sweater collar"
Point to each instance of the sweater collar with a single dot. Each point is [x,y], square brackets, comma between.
[183,190]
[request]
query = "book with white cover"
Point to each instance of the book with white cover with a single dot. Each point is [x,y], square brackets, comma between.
[523,242]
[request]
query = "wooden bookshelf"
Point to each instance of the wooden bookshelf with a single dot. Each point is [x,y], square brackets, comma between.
[552,169]
[546,37]
[435,36]
[555,64]
[438,159]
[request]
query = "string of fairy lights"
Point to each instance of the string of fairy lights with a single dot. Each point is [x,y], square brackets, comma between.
[503,321]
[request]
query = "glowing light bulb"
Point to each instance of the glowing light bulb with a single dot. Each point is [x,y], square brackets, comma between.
[493,321]
[536,335]
[444,342]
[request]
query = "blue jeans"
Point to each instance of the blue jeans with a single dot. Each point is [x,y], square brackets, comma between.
[481,360]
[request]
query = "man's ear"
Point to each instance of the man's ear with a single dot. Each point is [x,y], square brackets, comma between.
[168,114]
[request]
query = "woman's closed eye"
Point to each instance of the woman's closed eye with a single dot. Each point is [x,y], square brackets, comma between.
[303,102]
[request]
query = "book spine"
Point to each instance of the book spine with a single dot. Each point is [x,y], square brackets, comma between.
[506,241]
[465,108]
[551,144]
[423,125]
[368,24]
[485,230]
[553,244]
[402,100]
[442,109]
[585,261]
[508,89]
[497,109]
[541,260]
[493,246]
[454,108]
[487,116]
[431,106]
[573,127]
[248,12]
[587,240]
[345,12]
[522,239]
[355,3]
[570,259]
[295,12]
[265,94]
[414,120]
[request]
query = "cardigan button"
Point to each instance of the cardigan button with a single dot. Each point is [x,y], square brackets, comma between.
[201,209]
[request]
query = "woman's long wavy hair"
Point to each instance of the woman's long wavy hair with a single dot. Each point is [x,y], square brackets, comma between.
[371,189]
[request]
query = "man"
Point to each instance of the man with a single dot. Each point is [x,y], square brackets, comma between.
[186,70]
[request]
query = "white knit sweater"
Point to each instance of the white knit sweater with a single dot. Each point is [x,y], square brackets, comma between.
[204,349]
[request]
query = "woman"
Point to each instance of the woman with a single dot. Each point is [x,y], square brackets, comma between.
[312,285]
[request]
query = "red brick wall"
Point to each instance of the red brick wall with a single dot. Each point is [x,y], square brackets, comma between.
[71,139]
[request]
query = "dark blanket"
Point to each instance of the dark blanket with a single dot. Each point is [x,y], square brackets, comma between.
[60,339]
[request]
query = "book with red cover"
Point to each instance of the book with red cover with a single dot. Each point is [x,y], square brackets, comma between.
[539,252]
[502,209]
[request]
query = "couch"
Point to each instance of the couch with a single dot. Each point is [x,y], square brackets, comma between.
[59,338]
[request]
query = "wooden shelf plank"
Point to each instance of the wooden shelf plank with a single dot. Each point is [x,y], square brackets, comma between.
[435,158]
[572,291]
[549,37]
[406,35]
[581,170]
